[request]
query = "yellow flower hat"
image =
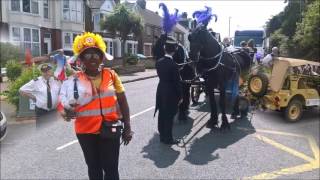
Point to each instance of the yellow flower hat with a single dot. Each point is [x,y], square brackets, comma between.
[88,40]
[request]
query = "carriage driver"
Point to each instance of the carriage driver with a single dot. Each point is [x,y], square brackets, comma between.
[169,92]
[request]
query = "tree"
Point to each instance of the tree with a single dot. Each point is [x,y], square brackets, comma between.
[124,22]
[9,52]
[308,32]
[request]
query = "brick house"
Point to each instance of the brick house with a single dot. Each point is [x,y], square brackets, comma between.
[41,25]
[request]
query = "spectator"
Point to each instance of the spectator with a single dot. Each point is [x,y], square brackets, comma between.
[268,60]
[44,91]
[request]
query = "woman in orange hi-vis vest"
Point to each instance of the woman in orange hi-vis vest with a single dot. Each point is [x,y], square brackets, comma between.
[95,96]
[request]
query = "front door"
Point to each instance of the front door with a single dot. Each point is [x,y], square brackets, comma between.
[47,45]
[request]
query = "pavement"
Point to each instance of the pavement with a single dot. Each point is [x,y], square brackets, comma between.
[10,111]
[267,147]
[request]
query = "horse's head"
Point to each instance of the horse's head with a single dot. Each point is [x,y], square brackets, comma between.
[202,42]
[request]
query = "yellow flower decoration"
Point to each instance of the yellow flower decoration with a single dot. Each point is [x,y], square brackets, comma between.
[86,40]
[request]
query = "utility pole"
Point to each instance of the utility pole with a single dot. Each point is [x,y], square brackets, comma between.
[229,25]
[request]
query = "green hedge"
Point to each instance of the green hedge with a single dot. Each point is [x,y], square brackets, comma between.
[9,52]
[14,70]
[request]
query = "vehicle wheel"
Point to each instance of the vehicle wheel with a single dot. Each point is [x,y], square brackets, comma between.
[258,85]
[294,110]
[195,94]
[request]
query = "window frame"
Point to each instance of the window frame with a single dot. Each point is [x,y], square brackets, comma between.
[73,10]
[23,42]
[46,6]
[72,37]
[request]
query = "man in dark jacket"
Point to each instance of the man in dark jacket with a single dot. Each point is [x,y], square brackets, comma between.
[169,92]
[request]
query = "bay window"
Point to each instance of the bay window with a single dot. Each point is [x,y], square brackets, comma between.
[72,10]
[26,38]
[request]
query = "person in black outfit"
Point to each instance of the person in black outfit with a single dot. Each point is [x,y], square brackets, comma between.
[169,92]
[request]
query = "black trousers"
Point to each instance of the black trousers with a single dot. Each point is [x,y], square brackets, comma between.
[165,123]
[101,156]
[184,106]
[45,117]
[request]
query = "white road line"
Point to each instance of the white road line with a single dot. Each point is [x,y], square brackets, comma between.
[75,141]
[66,145]
[138,114]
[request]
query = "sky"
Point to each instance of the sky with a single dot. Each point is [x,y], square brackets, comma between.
[249,14]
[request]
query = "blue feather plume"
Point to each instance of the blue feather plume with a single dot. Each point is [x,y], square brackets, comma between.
[169,20]
[204,16]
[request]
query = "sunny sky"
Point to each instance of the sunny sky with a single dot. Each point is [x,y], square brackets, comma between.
[248,14]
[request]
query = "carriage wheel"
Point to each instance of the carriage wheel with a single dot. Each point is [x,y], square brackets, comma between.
[195,94]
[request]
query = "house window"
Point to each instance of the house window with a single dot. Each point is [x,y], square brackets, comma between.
[148,30]
[68,38]
[129,48]
[16,34]
[147,49]
[15,5]
[30,6]
[31,40]
[28,38]
[96,22]
[72,10]
[110,47]
[46,9]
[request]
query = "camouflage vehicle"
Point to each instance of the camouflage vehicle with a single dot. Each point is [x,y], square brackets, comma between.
[292,87]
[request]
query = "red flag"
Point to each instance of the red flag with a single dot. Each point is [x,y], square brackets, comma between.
[28,57]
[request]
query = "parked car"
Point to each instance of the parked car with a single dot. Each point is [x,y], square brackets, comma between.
[285,89]
[3,126]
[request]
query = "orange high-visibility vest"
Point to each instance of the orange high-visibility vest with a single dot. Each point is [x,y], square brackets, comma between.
[89,119]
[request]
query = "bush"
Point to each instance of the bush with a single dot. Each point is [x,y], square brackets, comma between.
[13,70]
[13,90]
[131,59]
[9,52]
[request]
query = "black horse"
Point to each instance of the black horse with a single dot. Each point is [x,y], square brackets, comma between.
[186,72]
[217,67]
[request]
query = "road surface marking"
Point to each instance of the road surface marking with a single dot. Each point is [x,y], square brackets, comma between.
[284,148]
[313,163]
[138,114]
[66,145]
[273,132]
[286,171]
[75,141]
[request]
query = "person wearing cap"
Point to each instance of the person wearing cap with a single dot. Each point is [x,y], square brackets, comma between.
[243,44]
[169,92]
[268,60]
[44,91]
[95,96]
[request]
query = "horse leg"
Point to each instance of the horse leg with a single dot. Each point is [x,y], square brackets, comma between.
[213,122]
[184,106]
[222,102]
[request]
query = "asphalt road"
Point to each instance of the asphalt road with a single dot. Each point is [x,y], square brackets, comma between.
[265,147]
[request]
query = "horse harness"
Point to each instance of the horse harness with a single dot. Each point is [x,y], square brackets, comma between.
[220,55]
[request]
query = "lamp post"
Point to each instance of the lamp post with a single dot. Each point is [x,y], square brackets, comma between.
[229,24]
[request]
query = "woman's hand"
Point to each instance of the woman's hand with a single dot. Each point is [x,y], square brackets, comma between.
[127,134]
